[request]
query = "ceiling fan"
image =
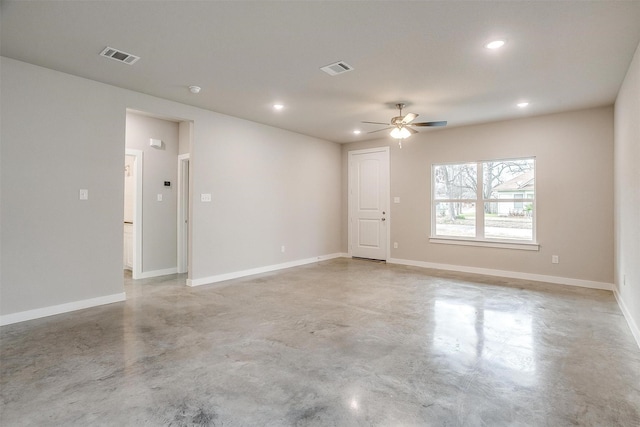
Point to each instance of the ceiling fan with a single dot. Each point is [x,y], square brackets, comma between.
[400,125]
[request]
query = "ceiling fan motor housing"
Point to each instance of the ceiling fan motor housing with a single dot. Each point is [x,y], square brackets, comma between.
[401,125]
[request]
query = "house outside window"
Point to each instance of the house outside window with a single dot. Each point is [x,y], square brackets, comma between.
[481,201]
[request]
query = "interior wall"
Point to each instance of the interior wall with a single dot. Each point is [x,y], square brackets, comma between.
[184,138]
[59,136]
[159,218]
[627,194]
[574,182]
[60,133]
[270,188]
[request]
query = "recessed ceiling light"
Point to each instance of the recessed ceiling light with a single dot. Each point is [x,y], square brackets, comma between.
[522,104]
[496,44]
[357,132]
[195,89]
[278,107]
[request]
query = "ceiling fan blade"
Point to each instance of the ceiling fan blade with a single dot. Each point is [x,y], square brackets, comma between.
[380,130]
[409,118]
[376,123]
[413,131]
[442,123]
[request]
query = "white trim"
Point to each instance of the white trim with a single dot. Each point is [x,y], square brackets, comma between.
[635,331]
[484,243]
[259,270]
[136,271]
[23,316]
[156,273]
[508,274]
[182,261]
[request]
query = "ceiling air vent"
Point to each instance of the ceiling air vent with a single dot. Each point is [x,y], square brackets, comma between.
[119,55]
[337,68]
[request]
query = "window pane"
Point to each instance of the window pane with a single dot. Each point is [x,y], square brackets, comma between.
[504,220]
[508,179]
[455,181]
[456,219]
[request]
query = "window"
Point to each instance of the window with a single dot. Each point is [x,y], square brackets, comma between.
[490,201]
[518,203]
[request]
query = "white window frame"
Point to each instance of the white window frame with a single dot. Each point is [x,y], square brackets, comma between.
[479,201]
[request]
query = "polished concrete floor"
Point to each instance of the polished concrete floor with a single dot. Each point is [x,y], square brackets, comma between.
[339,343]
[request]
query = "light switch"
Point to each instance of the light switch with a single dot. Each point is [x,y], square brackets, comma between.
[396,200]
[159,197]
[84,194]
[205,197]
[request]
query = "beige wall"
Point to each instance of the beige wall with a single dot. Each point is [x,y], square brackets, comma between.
[270,188]
[184,139]
[627,194]
[574,183]
[60,133]
[159,219]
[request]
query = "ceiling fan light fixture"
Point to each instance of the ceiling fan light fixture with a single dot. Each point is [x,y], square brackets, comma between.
[495,44]
[402,126]
[400,133]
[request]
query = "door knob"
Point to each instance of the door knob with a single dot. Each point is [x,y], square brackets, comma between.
[383,219]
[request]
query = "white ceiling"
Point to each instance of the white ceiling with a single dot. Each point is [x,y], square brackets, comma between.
[560,55]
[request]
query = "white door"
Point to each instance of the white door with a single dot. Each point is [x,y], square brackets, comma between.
[135,216]
[183,213]
[128,246]
[369,203]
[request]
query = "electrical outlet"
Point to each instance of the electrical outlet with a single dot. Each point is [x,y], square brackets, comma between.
[555,259]
[282,248]
[205,197]
[395,245]
[84,194]
[159,197]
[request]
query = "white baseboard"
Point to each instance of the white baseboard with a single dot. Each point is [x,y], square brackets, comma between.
[22,316]
[504,273]
[243,273]
[627,315]
[156,273]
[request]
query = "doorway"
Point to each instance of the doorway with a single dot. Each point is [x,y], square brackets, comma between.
[163,141]
[132,251]
[369,203]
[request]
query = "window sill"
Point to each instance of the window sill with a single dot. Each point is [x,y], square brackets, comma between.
[524,246]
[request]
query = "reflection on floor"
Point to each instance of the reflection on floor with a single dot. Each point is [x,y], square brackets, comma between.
[342,342]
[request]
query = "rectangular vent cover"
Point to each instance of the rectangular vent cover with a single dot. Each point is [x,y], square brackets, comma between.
[119,55]
[337,68]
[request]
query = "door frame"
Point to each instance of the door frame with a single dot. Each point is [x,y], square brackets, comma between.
[136,271]
[351,202]
[184,168]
